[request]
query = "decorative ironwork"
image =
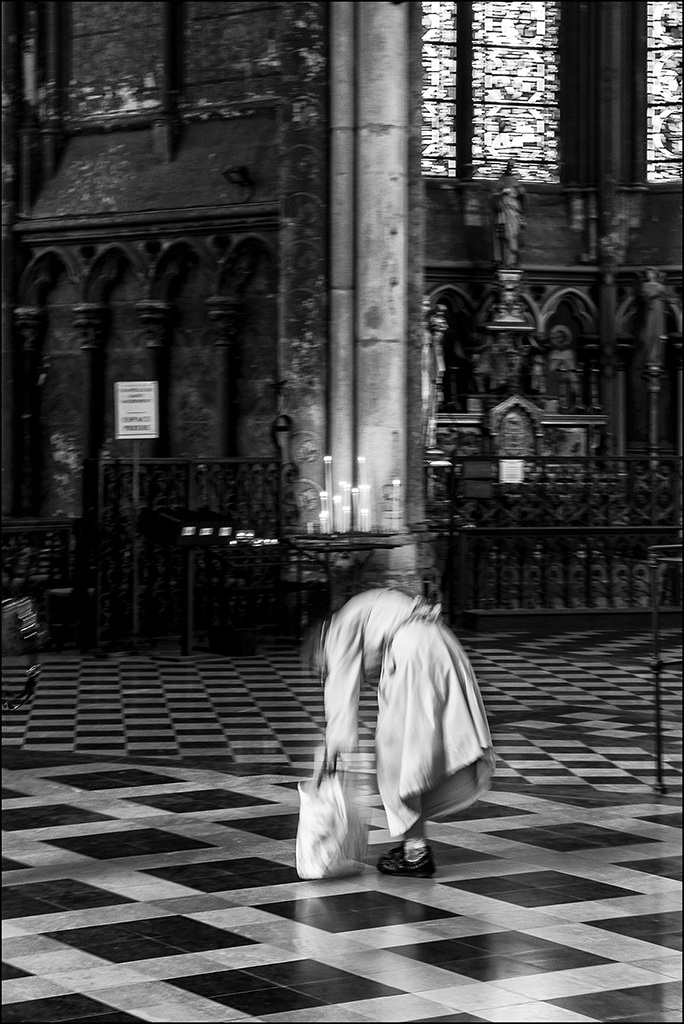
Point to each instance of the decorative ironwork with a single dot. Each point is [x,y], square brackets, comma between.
[572,533]
[664,91]
[247,492]
[554,491]
[554,568]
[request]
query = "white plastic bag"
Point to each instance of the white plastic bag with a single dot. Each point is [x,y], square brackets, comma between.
[332,835]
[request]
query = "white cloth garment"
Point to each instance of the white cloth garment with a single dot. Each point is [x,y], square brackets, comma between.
[433,746]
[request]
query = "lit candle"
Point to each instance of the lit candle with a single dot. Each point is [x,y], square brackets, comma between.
[364,507]
[346,505]
[396,484]
[361,463]
[327,464]
[355,508]
[337,513]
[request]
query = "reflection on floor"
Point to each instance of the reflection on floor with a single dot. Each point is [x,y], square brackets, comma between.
[149,814]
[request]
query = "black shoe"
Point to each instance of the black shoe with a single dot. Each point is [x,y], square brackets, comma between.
[395,863]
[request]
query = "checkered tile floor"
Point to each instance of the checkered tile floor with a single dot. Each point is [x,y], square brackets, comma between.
[149,816]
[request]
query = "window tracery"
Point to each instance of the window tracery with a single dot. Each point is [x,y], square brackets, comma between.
[664,91]
[513,87]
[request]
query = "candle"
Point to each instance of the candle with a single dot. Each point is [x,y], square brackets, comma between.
[364,507]
[346,505]
[355,508]
[396,484]
[361,463]
[327,464]
[337,513]
[324,517]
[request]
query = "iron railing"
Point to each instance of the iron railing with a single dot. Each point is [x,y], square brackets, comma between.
[139,579]
[548,533]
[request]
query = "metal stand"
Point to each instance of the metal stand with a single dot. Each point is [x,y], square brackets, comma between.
[659,557]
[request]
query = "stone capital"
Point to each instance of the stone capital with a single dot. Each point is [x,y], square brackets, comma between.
[226,313]
[30,322]
[155,316]
[89,322]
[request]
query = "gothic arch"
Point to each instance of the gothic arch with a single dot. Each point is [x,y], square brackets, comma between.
[108,269]
[240,264]
[530,306]
[173,264]
[458,297]
[42,272]
[583,310]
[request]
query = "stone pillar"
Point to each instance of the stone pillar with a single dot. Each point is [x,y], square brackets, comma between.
[679,398]
[382,104]
[10,71]
[30,323]
[623,348]
[89,323]
[50,101]
[225,313]
[341,433]
[155,316]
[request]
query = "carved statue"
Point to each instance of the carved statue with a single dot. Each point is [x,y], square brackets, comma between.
[508,203]
[435,325]
[653,293]
[562,362]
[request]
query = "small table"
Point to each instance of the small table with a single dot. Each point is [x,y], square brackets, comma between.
[320,548]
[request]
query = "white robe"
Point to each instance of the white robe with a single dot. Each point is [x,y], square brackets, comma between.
[433,746]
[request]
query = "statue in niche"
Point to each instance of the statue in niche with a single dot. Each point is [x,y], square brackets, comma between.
[508,203]
[435,325]
[562,364]
[537,373]
[653,293]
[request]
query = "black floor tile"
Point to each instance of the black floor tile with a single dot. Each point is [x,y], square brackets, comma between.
[112,779]
[137,940]
[349,912]
[666,867]
[48,816]
[199,800]
[52,897]
[277,826]
[9,971]
[269,1000]
[67,1008]
[214,876]
[133,843]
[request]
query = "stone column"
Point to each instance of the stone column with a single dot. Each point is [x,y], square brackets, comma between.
[30,323]
[382,104]
[89,323]
[679,399]
[225,313]
[155,316]
[341,433]
[10,71]
[50,101]
[623,348]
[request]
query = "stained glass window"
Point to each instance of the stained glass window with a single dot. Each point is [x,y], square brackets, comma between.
[514,85]
[439,89]
[664,95]
[515,88]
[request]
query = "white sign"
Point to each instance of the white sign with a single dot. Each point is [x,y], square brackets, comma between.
[511,471]
[136,409]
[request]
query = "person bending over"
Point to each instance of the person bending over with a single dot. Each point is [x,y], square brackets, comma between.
[433,746]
